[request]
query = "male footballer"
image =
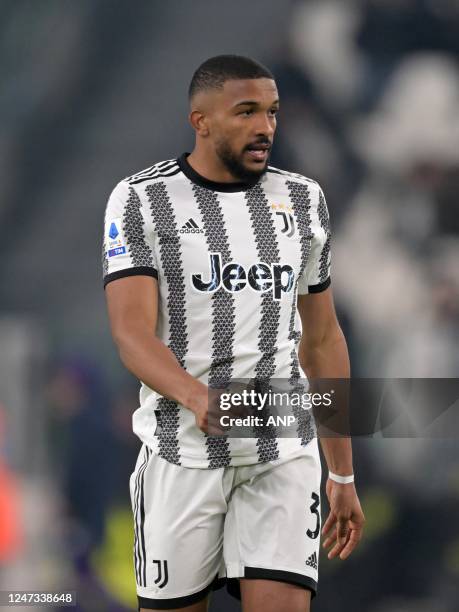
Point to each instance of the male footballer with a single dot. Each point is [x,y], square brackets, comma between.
[217,267]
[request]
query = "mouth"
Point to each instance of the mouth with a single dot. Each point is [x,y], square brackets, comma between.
[258,151]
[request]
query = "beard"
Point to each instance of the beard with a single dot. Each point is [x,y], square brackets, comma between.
[234,163]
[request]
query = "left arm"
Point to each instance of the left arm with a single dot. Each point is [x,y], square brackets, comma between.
[323,354]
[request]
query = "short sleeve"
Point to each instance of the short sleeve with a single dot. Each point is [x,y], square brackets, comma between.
[127,248]
[316,274]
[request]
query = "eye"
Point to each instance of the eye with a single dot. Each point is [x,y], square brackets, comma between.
[273,112]
[246,113]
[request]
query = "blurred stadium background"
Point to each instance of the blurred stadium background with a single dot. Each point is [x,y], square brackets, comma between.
[94,90]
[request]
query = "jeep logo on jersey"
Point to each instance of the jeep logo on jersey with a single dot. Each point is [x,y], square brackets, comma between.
[233,277]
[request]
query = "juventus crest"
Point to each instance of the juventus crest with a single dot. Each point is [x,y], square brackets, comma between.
[288,223]
[163,577]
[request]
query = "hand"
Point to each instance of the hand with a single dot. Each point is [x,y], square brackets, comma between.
[201,416]
[206,412]
[344,524]
[205,406]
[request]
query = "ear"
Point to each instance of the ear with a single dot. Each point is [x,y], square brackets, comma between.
[199,122]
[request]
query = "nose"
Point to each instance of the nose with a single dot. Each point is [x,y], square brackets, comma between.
[265,126]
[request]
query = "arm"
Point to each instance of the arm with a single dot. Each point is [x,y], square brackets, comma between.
[132,304]
[323,354]
[130,271]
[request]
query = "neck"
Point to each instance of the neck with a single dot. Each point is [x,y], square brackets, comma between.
[210,166]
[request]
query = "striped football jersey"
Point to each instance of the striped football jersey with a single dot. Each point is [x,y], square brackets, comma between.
[230,260]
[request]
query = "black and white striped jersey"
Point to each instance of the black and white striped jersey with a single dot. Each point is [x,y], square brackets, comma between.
[230,260]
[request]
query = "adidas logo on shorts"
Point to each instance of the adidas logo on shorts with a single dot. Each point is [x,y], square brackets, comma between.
[191,227]
[311,561]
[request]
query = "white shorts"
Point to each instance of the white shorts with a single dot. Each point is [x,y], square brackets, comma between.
[196,529]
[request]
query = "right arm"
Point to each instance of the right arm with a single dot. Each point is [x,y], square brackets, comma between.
[132,304]
[130,271]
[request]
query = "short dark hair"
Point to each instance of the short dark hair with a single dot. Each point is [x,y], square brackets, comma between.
[213,73]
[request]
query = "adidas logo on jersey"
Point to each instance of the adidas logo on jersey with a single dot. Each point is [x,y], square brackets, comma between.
[311,561]
[233,277]
[191,227]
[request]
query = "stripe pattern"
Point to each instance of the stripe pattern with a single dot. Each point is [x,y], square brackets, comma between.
[171,258]
[134,233]
[301,204]
[133,227]
[268,252]
[324,261]
[104,260]
[291,175]
[160,170]
[223,315]
[140,559]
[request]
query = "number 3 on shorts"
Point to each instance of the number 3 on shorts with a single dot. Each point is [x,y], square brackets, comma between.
[314,508]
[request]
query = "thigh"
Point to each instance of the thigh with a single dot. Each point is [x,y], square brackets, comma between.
[273,596]
[272,529]
[178,532]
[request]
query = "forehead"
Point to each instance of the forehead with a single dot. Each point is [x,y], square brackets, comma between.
[263,91]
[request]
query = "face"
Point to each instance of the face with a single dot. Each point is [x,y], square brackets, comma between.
[239,122]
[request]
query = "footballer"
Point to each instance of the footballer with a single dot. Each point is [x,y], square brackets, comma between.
[216,267]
